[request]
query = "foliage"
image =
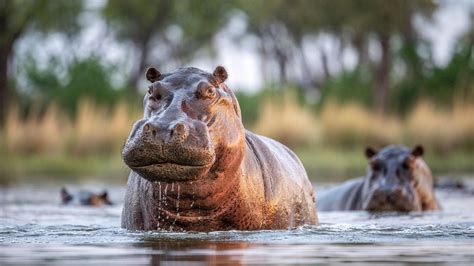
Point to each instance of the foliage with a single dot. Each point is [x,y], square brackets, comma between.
[174,30]
[51,144]
[84,78]
[18,17]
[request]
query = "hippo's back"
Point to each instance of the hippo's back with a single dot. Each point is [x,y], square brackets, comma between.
[344,197]
[284,177]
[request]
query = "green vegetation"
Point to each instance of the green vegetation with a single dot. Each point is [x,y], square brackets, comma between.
[330,142]
[37,168]
[322,164]
[65,114]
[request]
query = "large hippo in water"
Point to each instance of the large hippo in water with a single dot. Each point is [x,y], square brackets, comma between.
[195,167]
[397,179]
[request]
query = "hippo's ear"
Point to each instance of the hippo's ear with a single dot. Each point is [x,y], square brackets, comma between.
[103,195]
[370,152]
[220,74]
[65,196]
[152,74]
[418,151]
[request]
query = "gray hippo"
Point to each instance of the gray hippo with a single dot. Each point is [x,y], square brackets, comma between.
[85,198]
[194,167]
[397,179]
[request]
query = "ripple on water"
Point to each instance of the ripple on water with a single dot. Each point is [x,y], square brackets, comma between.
[41,231]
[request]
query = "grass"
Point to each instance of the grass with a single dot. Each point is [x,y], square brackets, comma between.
[322,164]
[330,143]
[34,168]
[285,120]
[330,164]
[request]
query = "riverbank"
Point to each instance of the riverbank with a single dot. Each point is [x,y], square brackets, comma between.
[322,164]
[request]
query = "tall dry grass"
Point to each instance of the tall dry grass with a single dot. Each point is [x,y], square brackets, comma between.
[99,130]
[37,133]
[94,130]
[443,130]
[287,121]
[350,125]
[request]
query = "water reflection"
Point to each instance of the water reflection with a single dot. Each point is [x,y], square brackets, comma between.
[165,251]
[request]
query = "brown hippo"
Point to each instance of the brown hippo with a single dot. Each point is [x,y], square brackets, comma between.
[195,167]
[85,198]
[397,179]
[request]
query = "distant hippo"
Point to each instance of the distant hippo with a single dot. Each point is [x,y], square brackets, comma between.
[195,167]
[397,179]
[85,198]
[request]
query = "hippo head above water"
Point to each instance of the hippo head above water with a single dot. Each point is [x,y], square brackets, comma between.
[398,179]
[187,124]
[195,167]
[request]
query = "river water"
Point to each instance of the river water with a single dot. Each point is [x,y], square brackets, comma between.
[36,229]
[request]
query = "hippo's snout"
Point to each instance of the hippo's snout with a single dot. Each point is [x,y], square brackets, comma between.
[169,151]
[391,199]
[390,196]
[178,131]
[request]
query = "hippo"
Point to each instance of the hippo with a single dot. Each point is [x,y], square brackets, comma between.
[397,179]
[86,198]
[195,168]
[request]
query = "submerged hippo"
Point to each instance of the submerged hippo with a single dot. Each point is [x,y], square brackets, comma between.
[85,198]
[397,179]
[195,167]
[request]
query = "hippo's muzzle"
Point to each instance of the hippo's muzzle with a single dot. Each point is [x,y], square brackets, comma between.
[399,198]
[172,151]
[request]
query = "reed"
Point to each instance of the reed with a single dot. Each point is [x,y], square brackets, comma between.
[100,130]
[37,133]
[441,130]
[353,125]
[287,121]
[94,130]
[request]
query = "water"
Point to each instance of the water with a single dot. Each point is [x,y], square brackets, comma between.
[36,229]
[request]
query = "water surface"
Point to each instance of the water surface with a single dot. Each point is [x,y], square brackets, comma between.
[36,229]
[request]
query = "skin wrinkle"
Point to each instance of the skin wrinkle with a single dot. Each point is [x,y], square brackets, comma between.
[397,179]
[247,182]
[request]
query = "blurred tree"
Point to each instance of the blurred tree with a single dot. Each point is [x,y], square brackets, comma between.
[265,22]
[381,21]
[174,29]
[455,81]
[85,78]
[18,17]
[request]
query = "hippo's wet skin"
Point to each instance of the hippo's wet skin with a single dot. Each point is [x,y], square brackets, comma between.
[397,179]
[195,167]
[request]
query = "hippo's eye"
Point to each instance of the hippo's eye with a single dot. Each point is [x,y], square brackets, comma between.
[405,165]
[153,95]
[207,92]
[376,166]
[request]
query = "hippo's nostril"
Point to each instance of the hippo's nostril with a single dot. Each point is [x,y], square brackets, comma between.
[146,127]
[398,191]
[180,130]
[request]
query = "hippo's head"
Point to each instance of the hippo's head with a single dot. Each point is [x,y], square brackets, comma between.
[191,124]
[398,180]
